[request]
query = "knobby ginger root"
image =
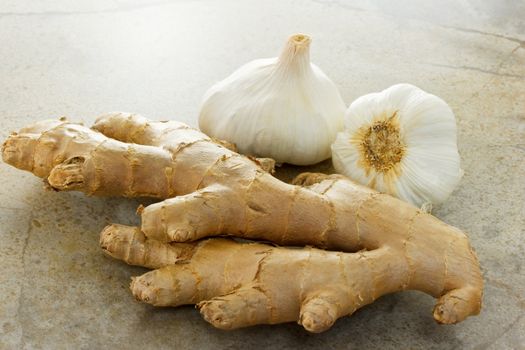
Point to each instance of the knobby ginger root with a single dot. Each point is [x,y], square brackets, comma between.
[212,190]
[242,284]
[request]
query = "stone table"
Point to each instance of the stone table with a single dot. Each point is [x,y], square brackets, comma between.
[80,59]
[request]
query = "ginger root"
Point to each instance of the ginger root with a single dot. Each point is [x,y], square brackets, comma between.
[211,190]
[242,284]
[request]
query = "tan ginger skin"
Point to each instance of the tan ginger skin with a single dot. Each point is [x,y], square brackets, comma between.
[388,245]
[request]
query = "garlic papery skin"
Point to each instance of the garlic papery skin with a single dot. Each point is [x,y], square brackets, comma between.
[401,141]
[283,108]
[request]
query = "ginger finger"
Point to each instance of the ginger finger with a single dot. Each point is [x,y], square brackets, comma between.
[133,128]
[244,307]
[130,245]
[193,216]
[72,157]
[319,312]
[172,135]
[171,285]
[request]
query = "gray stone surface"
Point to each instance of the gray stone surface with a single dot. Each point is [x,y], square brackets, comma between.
[82,58]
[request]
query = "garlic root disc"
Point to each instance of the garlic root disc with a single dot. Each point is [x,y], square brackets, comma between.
[401,141]
[283,108]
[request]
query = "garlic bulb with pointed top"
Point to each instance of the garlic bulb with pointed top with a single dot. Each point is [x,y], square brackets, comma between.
[401,141]
[283,108]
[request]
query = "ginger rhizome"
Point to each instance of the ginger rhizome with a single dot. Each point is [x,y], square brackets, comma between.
[241,284]
[210,190]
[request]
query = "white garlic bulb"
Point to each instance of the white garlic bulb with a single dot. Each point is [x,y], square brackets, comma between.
[283,108]
[401,141]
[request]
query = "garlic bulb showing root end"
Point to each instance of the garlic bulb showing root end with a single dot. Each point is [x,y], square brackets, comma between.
[401,141]
[283,108]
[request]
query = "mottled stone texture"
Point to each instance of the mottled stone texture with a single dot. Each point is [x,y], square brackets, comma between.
[157,58]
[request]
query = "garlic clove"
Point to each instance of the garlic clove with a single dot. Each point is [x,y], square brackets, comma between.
[283,108]
[401,141]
